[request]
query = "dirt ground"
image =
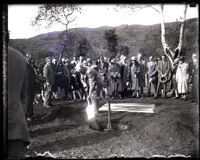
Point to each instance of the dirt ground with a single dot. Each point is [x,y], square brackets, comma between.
[63,131]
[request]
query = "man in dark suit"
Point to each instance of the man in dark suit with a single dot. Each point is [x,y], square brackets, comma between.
[150,69]
[49,74]
[141,76]
[29,87]
[163,69]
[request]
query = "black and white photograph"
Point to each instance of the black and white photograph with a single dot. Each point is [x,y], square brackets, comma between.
[93,81]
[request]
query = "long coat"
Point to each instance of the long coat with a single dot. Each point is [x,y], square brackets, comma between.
[17,124]
[29,89]
[142,73]
[134,71]
[124,71]
[182,77]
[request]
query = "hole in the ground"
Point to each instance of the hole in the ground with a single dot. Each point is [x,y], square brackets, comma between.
[118,127]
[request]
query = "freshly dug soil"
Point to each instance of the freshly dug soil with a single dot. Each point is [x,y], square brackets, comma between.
[63,130]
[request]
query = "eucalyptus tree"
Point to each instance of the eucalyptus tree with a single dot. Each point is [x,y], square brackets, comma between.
[172,54]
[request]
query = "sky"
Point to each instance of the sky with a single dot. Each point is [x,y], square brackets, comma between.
[93,16]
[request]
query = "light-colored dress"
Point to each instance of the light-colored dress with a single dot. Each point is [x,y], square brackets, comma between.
[182,78]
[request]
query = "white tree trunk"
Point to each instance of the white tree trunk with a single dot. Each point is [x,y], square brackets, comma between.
[168,52]
[166,47]
[181,37]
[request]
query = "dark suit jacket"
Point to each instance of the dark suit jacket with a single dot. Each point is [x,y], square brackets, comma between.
[163,68]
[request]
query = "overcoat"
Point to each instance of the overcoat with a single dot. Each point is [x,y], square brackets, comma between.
[141,76]
[17,125]
[134,71]
[125,72]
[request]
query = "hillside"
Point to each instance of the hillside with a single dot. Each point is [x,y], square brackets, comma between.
[136,37]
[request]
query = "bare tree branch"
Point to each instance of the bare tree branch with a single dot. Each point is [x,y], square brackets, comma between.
[155,9]
[56,13]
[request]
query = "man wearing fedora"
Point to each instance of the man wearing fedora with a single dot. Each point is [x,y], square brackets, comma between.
[163,69]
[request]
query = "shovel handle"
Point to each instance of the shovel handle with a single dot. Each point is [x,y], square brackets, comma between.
[109,127]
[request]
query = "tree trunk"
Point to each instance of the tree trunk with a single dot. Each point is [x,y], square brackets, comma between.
[168,52]
[166,47]
[172,55]
[181,37]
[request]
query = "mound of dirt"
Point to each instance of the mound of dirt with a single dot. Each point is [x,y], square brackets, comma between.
[167,130]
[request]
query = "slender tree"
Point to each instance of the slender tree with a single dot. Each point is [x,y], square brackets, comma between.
[171,54]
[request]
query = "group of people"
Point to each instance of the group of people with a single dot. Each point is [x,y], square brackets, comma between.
[119,77]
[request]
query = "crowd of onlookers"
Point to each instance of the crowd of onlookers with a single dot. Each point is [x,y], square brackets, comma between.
[119,77]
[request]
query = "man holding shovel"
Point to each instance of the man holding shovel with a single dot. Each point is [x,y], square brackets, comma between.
[92,108]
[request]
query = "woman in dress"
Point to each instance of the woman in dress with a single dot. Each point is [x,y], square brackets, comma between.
[182,78]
